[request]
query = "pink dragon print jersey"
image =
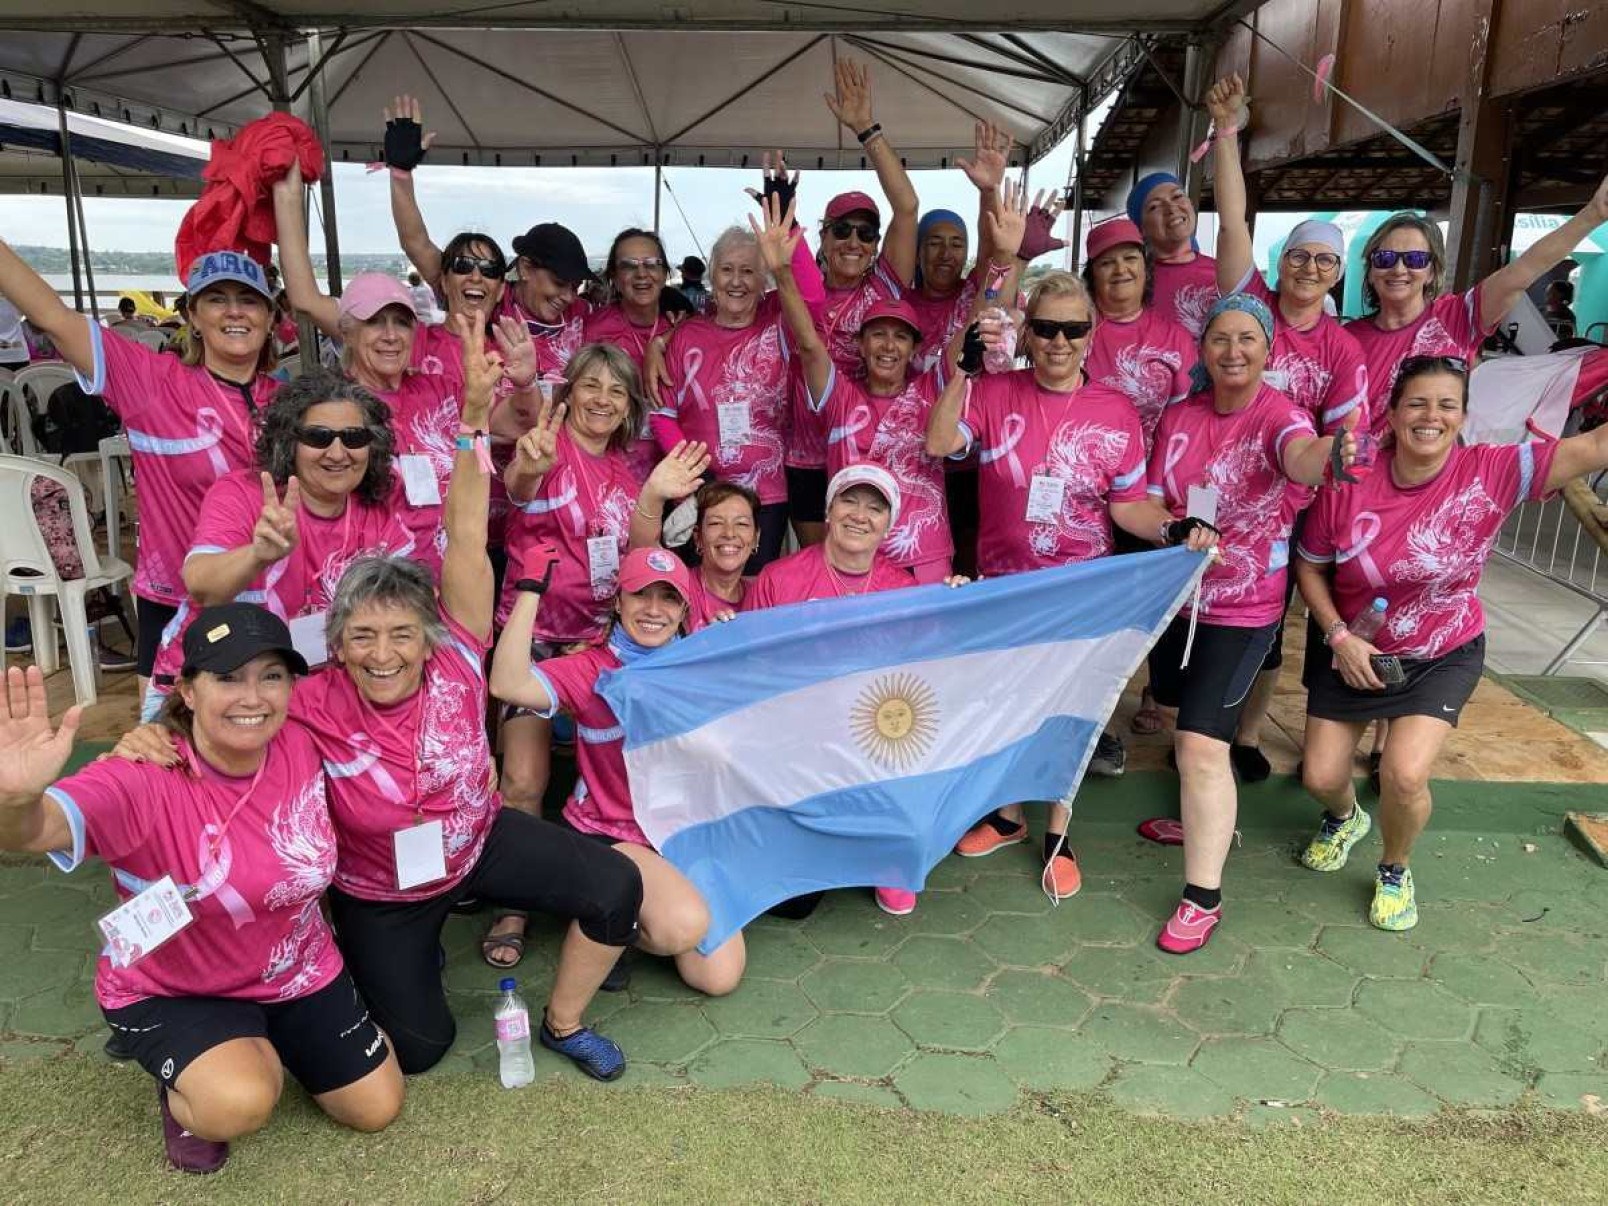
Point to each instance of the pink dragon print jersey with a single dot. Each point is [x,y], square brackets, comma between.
[1451,325]
[1320,368]
[1146,358]
[1185,291]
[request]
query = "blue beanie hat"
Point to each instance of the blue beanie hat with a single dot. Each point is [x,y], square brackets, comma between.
[931,218]
[1140,193]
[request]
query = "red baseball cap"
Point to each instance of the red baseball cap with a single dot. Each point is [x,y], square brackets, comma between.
[1113,232]
[844,204]
[895,308]
[643,567]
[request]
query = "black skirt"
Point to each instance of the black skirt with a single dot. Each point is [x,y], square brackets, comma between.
[1436,686]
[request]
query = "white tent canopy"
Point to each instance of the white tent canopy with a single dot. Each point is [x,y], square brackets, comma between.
[113,159]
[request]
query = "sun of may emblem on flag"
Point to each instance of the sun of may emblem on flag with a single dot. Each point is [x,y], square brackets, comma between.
[895,720]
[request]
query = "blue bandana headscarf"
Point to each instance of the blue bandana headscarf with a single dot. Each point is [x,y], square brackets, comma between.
[1140,193]
[1245,303]
[934,217]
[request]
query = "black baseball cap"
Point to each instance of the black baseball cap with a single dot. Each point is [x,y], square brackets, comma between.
[555,248]
[224,638]
[693,265]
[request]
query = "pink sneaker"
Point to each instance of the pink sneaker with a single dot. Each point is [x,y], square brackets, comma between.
[1189,928]
[186,1152]
[896,901]
[1164,831]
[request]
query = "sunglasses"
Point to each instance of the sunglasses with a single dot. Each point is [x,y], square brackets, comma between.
[866,232]
[1385,258]
[1412,365]
[1047,329]
[322,437]
[1326,261]
[466,265]
[649,263]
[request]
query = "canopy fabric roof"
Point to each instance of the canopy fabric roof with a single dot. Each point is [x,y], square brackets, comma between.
[113,159]
[523,97]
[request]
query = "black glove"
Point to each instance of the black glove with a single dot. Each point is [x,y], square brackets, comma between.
[971,352]
[1178,531]
[541,559]
[781,187]
[404,143]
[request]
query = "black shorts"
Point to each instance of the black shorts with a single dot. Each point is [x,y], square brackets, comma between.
[151,619]
[326,1040]
[806,494]
[960,496]
[1210,692]
[772,532]
[1437,686]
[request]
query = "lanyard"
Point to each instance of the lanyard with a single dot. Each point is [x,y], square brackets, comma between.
[215,841]
[224,386]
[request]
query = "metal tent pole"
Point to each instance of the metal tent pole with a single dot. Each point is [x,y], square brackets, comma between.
[83,232]
[319,106]
[65,142]
[1074,244]
[658,192]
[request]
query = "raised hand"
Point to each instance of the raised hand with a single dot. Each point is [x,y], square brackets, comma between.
[852,103]
[777,182]
[778,237]
[290,184]
[1226,101]
[991,154]
[31,754]
[537,449]
[275,535]
[1007,219]
[680,473]
[1041,218]
[482,370]
[405,139]
[518,351]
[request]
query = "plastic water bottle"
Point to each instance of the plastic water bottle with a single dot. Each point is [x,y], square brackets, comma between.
[515,1066]
[1368,623]
[1000,359]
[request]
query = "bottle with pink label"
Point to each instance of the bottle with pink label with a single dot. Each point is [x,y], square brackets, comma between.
[515,1065]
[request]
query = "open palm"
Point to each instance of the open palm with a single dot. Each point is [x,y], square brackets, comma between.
[31,753]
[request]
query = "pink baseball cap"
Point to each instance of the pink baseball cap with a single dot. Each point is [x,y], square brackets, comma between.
[368,293]
[1113,232]
[643,567]
[844,204]
[895,308]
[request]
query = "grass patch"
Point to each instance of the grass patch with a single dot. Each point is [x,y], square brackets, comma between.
[75,1130]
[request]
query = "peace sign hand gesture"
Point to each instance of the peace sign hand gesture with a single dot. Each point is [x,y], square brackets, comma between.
[274,535]
[31,756]
[852,104]
[537,449]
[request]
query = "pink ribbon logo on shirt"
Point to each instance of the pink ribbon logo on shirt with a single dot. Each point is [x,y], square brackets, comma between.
[567,500]
[1177,446]
[1363,529]
[209,432]
[1011,432]
[694,365]
[859,419]
[367,763]
[214,880]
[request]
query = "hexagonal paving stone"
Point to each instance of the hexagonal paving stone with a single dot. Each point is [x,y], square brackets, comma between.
[1415,1009]
[1018,893]
[1177,1092]
[1137,974]
[30,972]
[949,913]
[929,962]
[1562,905]
[955,1084]
[1460,1074]
[1376,1093]
[1041,998]
[868,1095]
[1573,1090]
[1338,1038]
[1240,1005]
[661,1032]
[778,954]
[1580,1007]
[58,1013]
[1040,1058]
[1102,918]
[20,1051]
[1266,923]
[848,923]
[1257,1069]
[855,986]
[850,1045]
[1303,977]
[1558,958]
[761,1009]
[1373,952]
[1044,941]
[1457,927]
[949,1019]
[1130,1032]
[654,979]
[1530,1041]
[735,1062]
[1481,979]
[54,902]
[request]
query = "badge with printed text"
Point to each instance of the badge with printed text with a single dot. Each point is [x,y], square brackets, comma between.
[138,926]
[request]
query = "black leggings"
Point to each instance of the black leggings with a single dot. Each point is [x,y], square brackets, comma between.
[391,947]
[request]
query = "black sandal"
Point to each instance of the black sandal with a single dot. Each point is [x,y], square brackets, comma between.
[499,942]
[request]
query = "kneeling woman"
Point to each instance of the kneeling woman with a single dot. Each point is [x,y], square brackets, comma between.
[1416,532]
[233,845]
[649,612]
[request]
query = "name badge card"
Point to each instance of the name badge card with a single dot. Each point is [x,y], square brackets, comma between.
[421,854]
[735,427]
[603,559]
[1044,498]
[137,927]
[307,636]
[419,480]
[1202,504]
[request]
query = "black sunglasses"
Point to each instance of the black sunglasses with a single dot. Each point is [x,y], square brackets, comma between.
[1385,258]
[1413,365]
[323,437]
[866,232]
[465,265]
[1047,329]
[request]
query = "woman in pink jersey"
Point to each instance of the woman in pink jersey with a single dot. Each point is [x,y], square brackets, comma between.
[1060,460]
[649,613]
[281,535]
[570,486]
[190,418]
[1415,533]
[1239,455]
[232,847]
[723,535]
[1185,280]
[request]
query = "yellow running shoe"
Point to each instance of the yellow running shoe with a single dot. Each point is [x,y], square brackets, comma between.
[1395,907]
[1329,850]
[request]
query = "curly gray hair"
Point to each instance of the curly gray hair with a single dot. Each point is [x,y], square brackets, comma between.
[389,581]
[276,440]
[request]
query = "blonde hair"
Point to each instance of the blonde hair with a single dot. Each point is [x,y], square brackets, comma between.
[1059,284]
[624,370]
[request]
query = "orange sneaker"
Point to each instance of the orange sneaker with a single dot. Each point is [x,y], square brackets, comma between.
[991,833]
[1061,877]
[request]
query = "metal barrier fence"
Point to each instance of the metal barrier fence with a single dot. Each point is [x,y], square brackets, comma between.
[1565,541]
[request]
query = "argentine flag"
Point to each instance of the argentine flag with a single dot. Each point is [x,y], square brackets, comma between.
[851,742]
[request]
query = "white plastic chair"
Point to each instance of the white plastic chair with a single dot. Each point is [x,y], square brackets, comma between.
[26,569]
[291,366]
[151,337]
[9,417]
[113,449]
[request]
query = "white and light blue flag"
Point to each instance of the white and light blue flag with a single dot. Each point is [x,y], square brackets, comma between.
[851,742]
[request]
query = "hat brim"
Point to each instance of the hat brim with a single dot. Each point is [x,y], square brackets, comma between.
[224,663]
[904,322]
[217,278]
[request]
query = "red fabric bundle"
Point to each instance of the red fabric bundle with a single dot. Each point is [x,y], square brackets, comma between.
[236,210]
